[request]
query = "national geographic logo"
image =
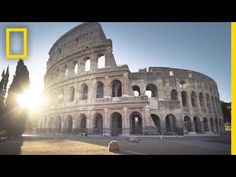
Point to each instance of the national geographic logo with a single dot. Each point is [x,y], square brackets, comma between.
[24,53]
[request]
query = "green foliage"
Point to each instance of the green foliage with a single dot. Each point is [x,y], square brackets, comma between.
[15,116]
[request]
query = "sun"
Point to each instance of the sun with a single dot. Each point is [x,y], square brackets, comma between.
[32,100]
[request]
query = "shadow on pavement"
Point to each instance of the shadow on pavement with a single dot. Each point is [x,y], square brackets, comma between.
[11,146]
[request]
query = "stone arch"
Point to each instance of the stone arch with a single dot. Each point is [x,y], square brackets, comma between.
[184,97]
[68,124]
[171,123]
[65,70]
[173,94]
[201,99]
[99,90]
[187,123]
[87,66]
[157,122]
[217,104]
[136,123]
[208,102]
[205,124]
[212,124]
[193,99]
[51,124]
[82,123]
[58,124]
[153,89]
[213,103]
[60,95]
[101,61]
[197,124]
[75,66]
[84,91]
[136,90]
[57,73]
[71,94]
[116,88]
[116,124]
[98,123]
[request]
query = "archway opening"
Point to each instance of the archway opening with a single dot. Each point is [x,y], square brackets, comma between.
[136,123]
[217,126]
[84,92]
[174,95]
[82,124]
[187,123]
[101,62]
[116,88]
[212,124]
[157,122]
[170,123]
[136,90]
[205,124]
[116,124]
[58,124]
[197,124]
[153,90]
[98,124]
[69,124]
[100,90]
[184,97]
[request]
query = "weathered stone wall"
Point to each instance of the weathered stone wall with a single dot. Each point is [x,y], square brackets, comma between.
[102,100]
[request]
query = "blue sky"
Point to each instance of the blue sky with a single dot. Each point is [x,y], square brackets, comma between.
[202,47]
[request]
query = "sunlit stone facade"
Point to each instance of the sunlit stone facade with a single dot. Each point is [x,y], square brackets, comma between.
[89,94]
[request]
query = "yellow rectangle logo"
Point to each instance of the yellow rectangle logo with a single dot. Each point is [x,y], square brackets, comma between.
[8,44]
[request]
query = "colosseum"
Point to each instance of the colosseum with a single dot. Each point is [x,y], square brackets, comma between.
[91,95]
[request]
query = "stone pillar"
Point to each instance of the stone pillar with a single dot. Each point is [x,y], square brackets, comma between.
[107,87]
[81,66]
[109,58]
[125,122]
[125,85]
[94,63]
[106,122]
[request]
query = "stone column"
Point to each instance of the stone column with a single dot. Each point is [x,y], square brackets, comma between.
[125,122]
[107,87]
[125,85]
[94,63]
[106,122]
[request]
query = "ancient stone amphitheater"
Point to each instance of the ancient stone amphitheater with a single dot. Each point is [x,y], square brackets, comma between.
[91,95]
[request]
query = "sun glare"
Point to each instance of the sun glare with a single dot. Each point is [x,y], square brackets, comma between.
[30,100]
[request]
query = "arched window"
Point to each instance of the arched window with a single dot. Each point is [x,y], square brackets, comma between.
[71,93]
[174,95]
[157,122]
[101,62]
[184,97]
[170,123]
[76,67]
[116,124]
[187,123]
[100,90]
[197,124]
[87,65]
[136,124]
[60,96]
[136,90]
[84,92]
[201,99]
[208,101]
[153,90]
[193,99]
[116,88]
[65,71]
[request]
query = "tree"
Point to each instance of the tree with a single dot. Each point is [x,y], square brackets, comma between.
[3,88]
[15,115]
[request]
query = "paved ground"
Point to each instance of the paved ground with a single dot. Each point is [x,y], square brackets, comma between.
[76,145]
